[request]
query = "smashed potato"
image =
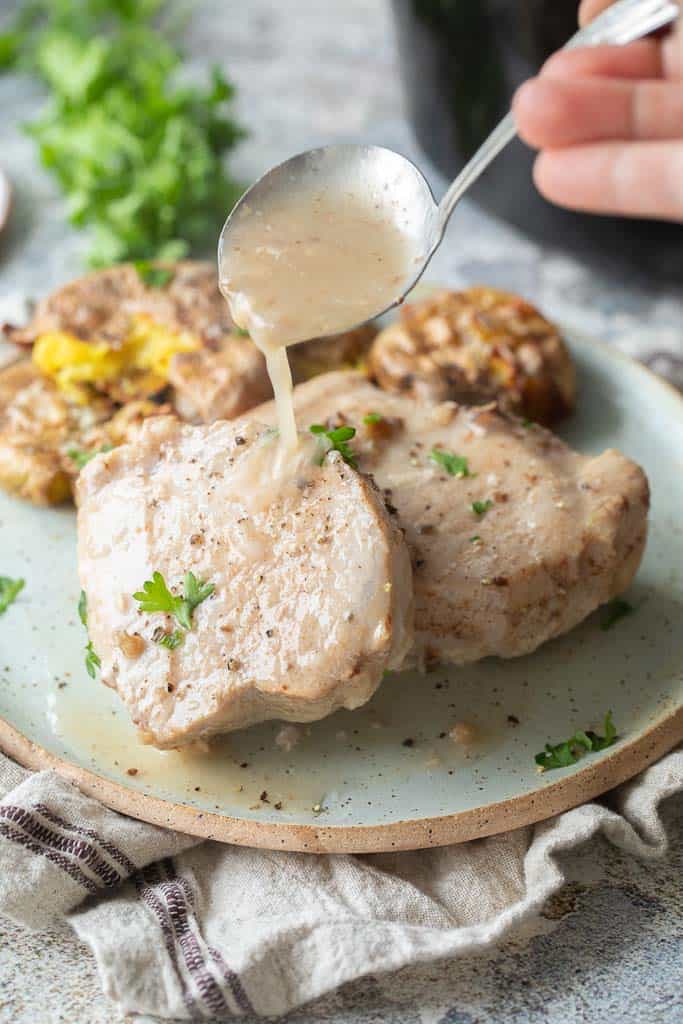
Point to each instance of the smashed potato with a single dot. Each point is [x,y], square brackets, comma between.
[473,346]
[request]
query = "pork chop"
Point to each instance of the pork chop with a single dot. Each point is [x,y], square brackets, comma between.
[312,592]
[515,537]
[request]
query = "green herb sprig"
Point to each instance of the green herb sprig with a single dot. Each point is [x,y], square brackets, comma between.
[9,591]
[151,275]
[171,640]
[92,660]
[81,457]
[561,755]
[480,508]
[138,152]
[336,440]
[455,465]
[156,597]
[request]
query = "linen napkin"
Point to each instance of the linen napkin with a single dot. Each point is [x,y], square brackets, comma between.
[189,929]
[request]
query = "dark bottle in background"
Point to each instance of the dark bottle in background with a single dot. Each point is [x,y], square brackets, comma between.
[460,63]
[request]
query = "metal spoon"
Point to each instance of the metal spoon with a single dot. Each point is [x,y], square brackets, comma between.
[380,172]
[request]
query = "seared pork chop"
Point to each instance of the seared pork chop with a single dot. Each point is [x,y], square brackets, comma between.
[515,538]
[312,597]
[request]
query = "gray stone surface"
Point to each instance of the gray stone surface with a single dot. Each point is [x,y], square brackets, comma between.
[609,947]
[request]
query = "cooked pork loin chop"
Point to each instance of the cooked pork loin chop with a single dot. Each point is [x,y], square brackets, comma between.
[312,578]
[564,532]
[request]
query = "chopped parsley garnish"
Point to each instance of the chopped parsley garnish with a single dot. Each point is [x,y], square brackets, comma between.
[82,457]
[149,274]
[455,465]
[475,539]
[561,755]
[480,508]
[171,640]
[372,417]
[614,611]
[336,441]
[241,331]
[9,591]
[92,660]
[156,597]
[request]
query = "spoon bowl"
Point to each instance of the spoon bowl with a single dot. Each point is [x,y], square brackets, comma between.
[390,184]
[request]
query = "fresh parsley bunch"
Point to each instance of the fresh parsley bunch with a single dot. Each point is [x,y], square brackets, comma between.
[138,153]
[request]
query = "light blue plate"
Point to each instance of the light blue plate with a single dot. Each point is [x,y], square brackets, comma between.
[352,783]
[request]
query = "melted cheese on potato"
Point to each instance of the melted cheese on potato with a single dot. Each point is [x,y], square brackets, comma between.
[74,364]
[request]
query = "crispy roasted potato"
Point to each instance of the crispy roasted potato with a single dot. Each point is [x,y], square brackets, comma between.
[45,439]
[473,346]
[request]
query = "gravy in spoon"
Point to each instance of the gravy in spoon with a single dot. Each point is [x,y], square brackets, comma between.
[311,265]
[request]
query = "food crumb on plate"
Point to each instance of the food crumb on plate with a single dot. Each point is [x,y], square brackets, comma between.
[288,737]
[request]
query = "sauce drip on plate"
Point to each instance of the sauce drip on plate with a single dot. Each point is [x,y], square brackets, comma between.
[308,266]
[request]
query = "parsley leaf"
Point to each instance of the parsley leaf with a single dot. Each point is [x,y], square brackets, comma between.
[83,609]
[614,611]
[171,640]
[196,591]
[149,274]
[82,457]
[372,418]
[92,660]
[336,441]
[561,755]
[136,147]
[455,465]
[480,508]
[9,591]
[240,331]
[156,597]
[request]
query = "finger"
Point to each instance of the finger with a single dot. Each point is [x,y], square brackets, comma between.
[672,51]
[589,9]
[642,59]
[555,112]
[637,179]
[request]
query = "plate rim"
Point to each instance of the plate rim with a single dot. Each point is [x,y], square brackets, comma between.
[624,760]
[596,777]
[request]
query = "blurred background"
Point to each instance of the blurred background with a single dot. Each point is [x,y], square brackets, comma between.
[138,148]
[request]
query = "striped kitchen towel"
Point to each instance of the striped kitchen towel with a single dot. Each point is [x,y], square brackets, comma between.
[195,930]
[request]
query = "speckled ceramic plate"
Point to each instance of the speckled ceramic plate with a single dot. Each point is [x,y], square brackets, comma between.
[384,777]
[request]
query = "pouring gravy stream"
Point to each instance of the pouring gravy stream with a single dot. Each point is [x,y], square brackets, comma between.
[308,266]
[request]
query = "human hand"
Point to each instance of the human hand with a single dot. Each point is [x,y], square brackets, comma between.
[609,123]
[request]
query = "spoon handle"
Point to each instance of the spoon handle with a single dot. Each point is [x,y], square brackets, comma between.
[619,24]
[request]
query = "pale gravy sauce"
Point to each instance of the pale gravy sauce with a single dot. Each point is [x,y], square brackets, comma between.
[310,266]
